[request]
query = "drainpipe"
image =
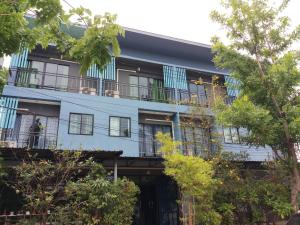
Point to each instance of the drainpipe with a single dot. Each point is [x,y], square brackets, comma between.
[115,169]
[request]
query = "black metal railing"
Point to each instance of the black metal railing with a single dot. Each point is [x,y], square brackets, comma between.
[137,92]
[31,140]
[42,80]
[88,85]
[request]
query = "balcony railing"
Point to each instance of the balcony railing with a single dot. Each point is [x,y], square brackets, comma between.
[88,85]
[138,92]
[59,82]
[30,140]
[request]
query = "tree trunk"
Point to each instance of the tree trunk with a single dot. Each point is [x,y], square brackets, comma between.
[295,175]
[295,184]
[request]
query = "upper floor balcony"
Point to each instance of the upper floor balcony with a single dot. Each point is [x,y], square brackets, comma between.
[33,78]
[122,78]
[151,90]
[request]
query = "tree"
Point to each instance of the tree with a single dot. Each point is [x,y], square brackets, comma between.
[3,78]
[221,190]
[96,200]
[260,58]
[74,189]
[195,178]
[250,196]
[51,24]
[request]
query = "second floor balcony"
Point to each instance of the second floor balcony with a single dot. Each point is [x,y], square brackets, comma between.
[32,78]
[154,91]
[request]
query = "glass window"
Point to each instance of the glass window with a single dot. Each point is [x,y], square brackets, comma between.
[81,124]
[231,135]
[119,126]
[134,88]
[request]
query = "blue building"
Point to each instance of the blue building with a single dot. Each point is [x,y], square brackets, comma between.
[149,88]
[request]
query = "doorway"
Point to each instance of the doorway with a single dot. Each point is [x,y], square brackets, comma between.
[148,204]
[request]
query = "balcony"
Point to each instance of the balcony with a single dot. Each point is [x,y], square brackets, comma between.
[200,95]
[42,80]
[31,140]
[138,92]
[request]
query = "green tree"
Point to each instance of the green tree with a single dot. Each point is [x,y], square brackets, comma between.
[260,58]
[74,188]
[250,196]
[96,200]
[51,25]
[195,178]
[3,78]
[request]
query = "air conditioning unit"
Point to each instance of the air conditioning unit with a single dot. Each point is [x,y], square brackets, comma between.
[112,93]
[88,90]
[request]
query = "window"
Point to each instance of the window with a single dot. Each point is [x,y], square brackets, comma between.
[119,126]
[81,124]
[196,139]
[231,135]
[148,145]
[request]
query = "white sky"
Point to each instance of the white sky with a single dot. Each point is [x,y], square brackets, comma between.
[187,19]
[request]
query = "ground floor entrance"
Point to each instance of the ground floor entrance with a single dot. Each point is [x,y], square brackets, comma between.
[157,202]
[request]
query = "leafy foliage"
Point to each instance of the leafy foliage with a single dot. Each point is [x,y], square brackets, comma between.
[249,196]
[194,177]
[219,190]
[74,189]
[260,57]
[95,200]
[51,25]
[3,78]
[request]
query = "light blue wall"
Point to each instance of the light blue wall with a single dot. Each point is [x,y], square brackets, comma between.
[102,108]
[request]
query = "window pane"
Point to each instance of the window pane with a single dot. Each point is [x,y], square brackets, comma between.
[87,124]
[36,73]
[124,127]
[114,126]
[133,82]
[227,135]
[62,79]
[74,125]
[143,86]
[235,135]
[50,76]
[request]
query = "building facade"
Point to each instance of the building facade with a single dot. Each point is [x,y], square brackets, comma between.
[151,87]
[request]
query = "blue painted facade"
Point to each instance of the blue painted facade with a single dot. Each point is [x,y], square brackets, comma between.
[143,47]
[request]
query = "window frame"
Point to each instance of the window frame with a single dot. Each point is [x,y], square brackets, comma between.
[231,135]
[81,114]
[129,128]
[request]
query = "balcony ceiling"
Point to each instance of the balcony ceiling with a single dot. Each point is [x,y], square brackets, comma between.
[163,45]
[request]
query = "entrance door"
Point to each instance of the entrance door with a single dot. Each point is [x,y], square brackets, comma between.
[148,206]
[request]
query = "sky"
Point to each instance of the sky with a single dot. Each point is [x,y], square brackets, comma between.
[188,19]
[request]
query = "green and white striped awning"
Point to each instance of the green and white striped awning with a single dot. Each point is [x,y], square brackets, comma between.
[8,112]
[19,59]
[109,73]
[175,77]
[232,86]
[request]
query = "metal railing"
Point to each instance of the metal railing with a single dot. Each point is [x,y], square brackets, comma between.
[59,82]
[30,140]
[137,92]
[88,85]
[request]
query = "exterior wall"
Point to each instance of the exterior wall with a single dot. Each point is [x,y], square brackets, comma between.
[102,108]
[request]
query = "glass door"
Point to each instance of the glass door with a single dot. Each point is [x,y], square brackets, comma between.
[133,86]
[56,76]
[62,77]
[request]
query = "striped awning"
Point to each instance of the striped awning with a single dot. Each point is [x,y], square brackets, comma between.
[20,59]
[174,77]
[8,112]
[109,73]
[232,86]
